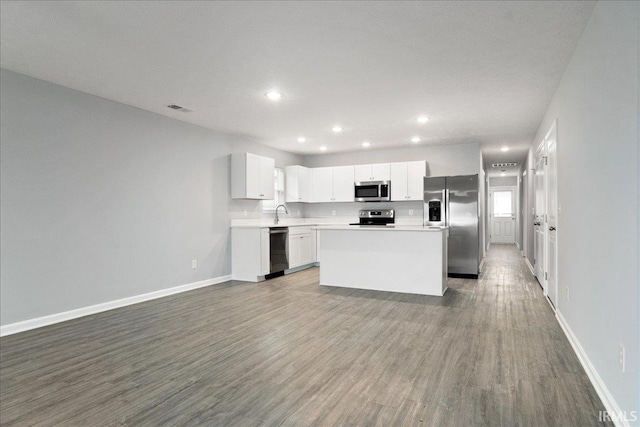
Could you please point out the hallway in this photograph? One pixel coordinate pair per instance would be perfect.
(289, 352)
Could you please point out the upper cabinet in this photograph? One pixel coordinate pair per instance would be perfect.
(332, 184)
(376, 172)
(298, 184)
(407, 180)
(252, 176)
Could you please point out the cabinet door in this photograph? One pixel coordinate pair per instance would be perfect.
(304, 184)
(267, 170)
(253, 169)
(294, 251)
(292, 189)
(415, 180)
(265, 263)
(305, 249)
(314, 245)
(321, 185)
(399, 185)
(362, 173)
(343, 190)
(381, 172)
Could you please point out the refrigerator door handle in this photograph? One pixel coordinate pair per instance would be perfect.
(446, 207)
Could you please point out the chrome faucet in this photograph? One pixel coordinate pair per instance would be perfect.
(277, 220)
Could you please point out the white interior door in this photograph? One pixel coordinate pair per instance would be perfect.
(539, 264)
(552, 216)
(503, 215)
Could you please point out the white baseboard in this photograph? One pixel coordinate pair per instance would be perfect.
(38, 322)
(608, 401)
(526, 260)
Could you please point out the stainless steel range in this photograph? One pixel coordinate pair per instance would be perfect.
(381, 217)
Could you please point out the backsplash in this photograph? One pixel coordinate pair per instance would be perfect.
(350, 210)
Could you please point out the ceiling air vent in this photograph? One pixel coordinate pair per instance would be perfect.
(179, 108)
(504, 165)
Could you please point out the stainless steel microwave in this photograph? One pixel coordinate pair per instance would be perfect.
(373, 191)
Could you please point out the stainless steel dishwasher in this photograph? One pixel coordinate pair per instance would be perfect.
(278, 250)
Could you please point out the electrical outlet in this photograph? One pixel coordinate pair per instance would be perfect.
(194, 263)
(333, 213)
(244, 212)
(567, 294)
(410, 212)
(621, 357)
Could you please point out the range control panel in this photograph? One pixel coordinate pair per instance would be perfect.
(384, 213)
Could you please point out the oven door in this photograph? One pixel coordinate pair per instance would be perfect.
(367, 192)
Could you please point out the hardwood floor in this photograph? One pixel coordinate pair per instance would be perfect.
(290, 352)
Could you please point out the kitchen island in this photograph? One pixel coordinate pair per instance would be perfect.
(406, 259)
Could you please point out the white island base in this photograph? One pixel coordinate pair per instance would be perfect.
(395, 259)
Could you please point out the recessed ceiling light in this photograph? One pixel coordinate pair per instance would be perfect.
(337, 129)
(423, 119)
(505, 148)
(273, 95)
(415, 139)
(302, 139)
(323, 148)
(366, 144)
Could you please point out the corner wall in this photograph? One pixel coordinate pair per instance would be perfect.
(596, 104)
(101, 201)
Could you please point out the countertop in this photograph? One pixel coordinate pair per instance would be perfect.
(319, 222)
(272, 224)
(380, 228)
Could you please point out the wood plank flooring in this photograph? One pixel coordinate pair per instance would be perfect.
(290, 352)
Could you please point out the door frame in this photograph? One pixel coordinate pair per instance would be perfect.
(514, 203)
(540, 262)
(549, 195)
(551, 217)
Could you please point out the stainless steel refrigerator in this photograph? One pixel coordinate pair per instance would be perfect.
(453, 201)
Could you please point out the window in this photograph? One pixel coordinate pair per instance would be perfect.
(502, 204)
(278, 184)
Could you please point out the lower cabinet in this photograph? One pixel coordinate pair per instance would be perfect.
(301, 247)
(265, 254)
(250, 253)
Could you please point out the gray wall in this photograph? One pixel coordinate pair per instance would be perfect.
(101, 201)
(506, 181)
(596, 104)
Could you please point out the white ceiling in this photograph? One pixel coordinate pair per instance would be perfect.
(482, 71)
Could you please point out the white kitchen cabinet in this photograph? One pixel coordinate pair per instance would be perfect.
(298, 184)
(343, 189)
(416, 172)
(407, 180)
(321, 184)
(265, 254)
(250, 253)
(300, 246)
(314, 245)
(252, 176)
(332, 184)
(375, 172)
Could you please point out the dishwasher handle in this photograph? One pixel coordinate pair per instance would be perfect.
(278, 230)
